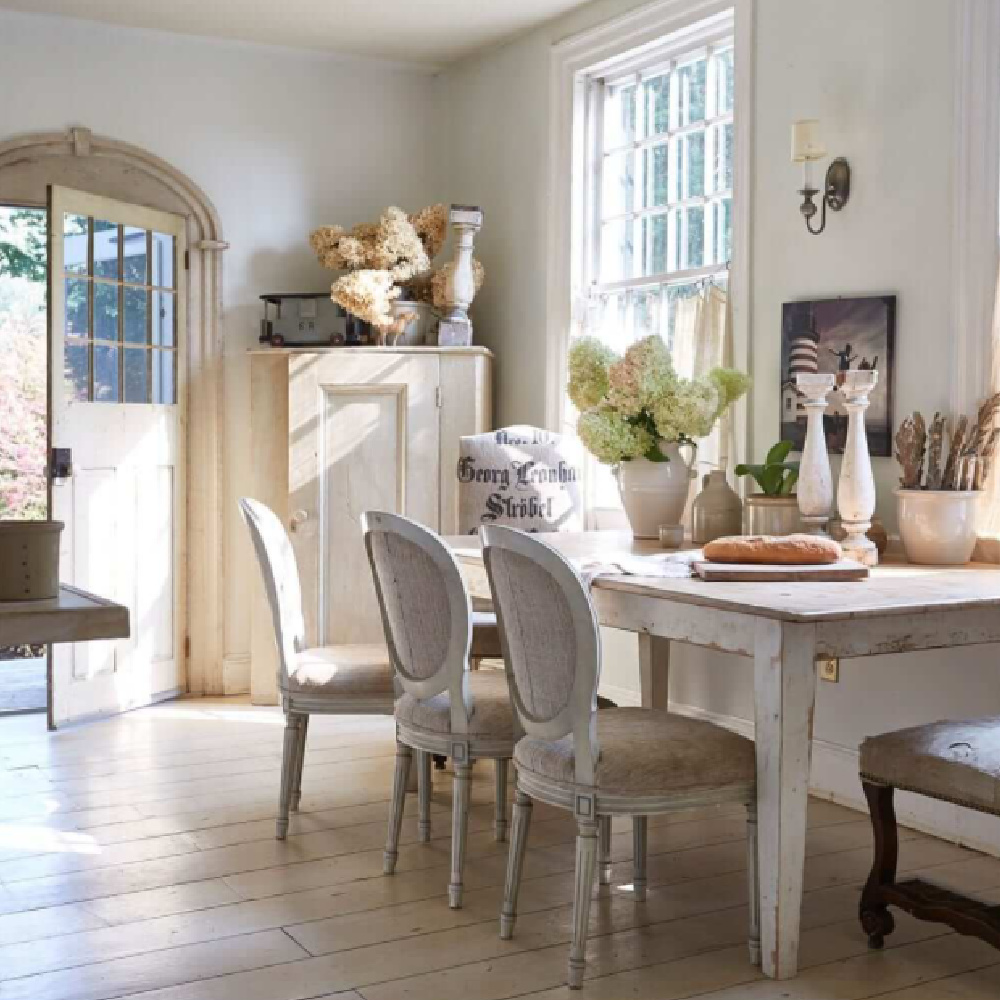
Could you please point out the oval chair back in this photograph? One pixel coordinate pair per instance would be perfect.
(425, 610)
(280, 572)
(550, 640)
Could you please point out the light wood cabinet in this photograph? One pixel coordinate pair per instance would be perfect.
(337, 432)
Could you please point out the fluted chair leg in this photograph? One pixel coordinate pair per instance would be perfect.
(639, 858)
(401, 779)
(500, 806)
(300, 759)
(604, 823)
(753, 884)
(515, 863)
(459, 832)
(289, 755)
(423, 797)
(586, 861)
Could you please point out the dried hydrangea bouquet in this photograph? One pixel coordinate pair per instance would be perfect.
(389, 265)
(636, 413)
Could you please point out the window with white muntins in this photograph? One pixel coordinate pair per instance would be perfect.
(658, 180)
(653, 171)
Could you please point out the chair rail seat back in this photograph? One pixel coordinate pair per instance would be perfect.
(280, 573)
(425, 609)
(550, 640)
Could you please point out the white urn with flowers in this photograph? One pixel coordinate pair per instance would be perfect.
(643, 419)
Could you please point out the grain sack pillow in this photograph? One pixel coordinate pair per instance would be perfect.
(523, 477)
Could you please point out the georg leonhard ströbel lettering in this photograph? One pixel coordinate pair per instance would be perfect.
(517, 475)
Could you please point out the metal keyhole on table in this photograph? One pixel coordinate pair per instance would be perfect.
(298, 519)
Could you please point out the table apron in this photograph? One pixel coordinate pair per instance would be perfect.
(712, 628)
(734, 632)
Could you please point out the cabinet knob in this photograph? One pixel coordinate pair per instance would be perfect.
(299, 517)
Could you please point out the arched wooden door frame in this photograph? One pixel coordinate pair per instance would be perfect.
(77, 158)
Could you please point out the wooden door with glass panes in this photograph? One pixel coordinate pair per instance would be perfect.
(116, 437)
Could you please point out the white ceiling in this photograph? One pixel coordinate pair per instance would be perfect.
(432, 32)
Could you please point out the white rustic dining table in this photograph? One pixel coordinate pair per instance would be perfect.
(785, 628)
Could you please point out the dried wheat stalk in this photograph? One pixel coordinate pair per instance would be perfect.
(911, 443)
(951, 465)
(936, 443)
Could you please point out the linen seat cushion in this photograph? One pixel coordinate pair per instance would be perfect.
(648, 751)
(342, 671)
(492, 714)
(955, 761)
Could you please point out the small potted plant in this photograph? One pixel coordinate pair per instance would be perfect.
(775, 510)
(636, 413)
(938, 503)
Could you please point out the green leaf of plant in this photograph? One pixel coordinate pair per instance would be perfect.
(770, 480)
(791, 478)
(655, 455)
(778, 453)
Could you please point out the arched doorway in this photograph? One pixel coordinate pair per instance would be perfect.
(102, 166)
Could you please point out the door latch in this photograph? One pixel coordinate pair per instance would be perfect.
(61, 464)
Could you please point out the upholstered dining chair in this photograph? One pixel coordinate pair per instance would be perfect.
(445, 708)
(328, 680)
(618, 762)
(956, 762)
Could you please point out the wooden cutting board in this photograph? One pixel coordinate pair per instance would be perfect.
(846, 569)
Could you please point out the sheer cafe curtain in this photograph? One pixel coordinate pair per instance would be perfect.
(990, 508)
(703, 340)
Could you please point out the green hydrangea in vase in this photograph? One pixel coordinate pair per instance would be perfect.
(637, 415)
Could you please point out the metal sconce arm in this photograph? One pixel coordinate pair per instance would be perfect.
(836, 191)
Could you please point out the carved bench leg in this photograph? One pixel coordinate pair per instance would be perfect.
(876, 920)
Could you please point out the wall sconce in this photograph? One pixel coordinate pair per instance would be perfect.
(807, 147)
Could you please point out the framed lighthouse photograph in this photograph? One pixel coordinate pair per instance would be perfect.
(835, 335)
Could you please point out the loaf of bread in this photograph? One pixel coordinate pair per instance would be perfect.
(783, 550)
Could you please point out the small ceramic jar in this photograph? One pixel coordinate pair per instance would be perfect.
(717, 510)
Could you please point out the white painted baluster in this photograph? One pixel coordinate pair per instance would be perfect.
(856, 489)
(815, 485)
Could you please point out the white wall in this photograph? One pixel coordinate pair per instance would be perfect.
(281, 141)
(880, 77)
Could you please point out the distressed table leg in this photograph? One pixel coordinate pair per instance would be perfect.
(784, 690)
(654, 670)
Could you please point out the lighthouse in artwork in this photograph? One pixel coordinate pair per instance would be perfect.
(803, 359)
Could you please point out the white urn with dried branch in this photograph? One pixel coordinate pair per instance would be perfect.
(938, 497)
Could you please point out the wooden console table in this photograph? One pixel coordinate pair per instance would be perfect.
(73, 616)
(784, 627)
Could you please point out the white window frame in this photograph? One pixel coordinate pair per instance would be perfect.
(615, 48)
(664, 59)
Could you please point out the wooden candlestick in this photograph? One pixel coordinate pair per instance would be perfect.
(856, 488)
(815, 485)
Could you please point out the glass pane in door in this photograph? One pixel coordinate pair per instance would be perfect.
(135, 375)
(134, 260)
(105, 311)
(75, 234)
(105, 374)
(135, 315)
(106, 249)
(163, 260)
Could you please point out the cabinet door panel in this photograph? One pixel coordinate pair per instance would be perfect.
(364, 435)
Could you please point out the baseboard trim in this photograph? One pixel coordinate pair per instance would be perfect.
(621, 696)
(835, 778)
(236, 674)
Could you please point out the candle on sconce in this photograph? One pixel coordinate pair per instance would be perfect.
(806, 143)
(807, 147)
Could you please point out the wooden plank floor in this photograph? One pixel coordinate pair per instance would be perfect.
(22, 685)
(137, 859)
